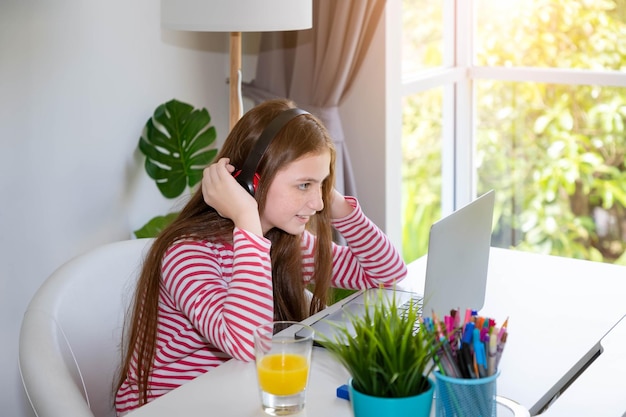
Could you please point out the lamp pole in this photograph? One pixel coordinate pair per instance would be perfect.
(235, 78)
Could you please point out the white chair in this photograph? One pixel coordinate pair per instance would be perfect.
(70, 335)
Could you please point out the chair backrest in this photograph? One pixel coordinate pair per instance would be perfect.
(69, 349)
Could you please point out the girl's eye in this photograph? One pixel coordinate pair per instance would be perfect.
(304, 186)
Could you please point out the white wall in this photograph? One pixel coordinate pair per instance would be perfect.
(78, 80)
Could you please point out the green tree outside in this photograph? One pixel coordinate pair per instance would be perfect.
(555, 153)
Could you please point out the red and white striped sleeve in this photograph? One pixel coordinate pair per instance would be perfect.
(370, 259)
(224, 291)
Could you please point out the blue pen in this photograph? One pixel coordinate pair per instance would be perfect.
(479, 354)
(467, 368)
(468, 333)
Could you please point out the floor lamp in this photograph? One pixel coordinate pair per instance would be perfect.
(236, 16)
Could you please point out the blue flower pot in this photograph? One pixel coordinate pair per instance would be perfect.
(368, 406)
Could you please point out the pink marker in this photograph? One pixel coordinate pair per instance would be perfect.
(468, 316)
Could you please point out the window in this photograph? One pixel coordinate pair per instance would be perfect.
(527, 97)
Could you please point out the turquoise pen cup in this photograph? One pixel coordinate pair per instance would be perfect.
(465, 397)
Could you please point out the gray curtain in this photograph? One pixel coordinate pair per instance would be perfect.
(316, 67)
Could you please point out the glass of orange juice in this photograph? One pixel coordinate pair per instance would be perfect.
(283, 358)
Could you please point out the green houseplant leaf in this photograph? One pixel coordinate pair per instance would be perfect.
(155, 225)
(385, 355)
(176, 143)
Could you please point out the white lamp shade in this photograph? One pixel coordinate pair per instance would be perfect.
(236, 15)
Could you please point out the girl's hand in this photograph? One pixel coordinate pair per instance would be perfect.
(222, 192)
(339, 207)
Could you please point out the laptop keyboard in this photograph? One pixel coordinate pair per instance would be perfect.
(417, 301)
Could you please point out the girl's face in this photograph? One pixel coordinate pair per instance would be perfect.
(296, 194)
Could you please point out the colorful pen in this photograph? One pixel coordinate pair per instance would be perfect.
(493, 347)
(469, 350)
(503, 329)
(466, 350)
(479, 354)
(468, 316)
(500, 348)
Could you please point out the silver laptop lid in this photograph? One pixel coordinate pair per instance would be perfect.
(458, 258)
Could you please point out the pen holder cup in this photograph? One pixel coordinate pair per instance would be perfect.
(464, 397)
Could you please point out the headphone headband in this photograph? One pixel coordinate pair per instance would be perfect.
(246, 176)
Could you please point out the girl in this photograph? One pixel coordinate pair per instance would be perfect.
(238, 256)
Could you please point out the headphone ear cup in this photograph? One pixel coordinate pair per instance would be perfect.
(245, 184)
(255, 181)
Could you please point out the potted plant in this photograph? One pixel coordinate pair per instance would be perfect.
(176, 141)
(389, 358)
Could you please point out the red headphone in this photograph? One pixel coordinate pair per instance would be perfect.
(247, 175)
(255, 181)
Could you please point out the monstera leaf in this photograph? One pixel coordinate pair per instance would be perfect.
(176, 142)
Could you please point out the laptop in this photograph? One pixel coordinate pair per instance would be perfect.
(456, 269)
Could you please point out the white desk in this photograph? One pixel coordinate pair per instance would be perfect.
(559, 311)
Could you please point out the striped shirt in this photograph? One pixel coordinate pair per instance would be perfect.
(214, 294)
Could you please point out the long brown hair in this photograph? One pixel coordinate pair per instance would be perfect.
(301, 136)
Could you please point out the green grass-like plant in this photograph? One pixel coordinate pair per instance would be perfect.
(384, 354)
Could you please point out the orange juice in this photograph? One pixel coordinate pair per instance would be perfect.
(283, 374)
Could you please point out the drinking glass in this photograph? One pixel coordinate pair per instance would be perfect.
(283, 361)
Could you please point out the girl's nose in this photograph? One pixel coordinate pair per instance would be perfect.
(316, 202)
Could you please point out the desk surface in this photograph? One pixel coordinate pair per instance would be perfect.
(559, 309)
